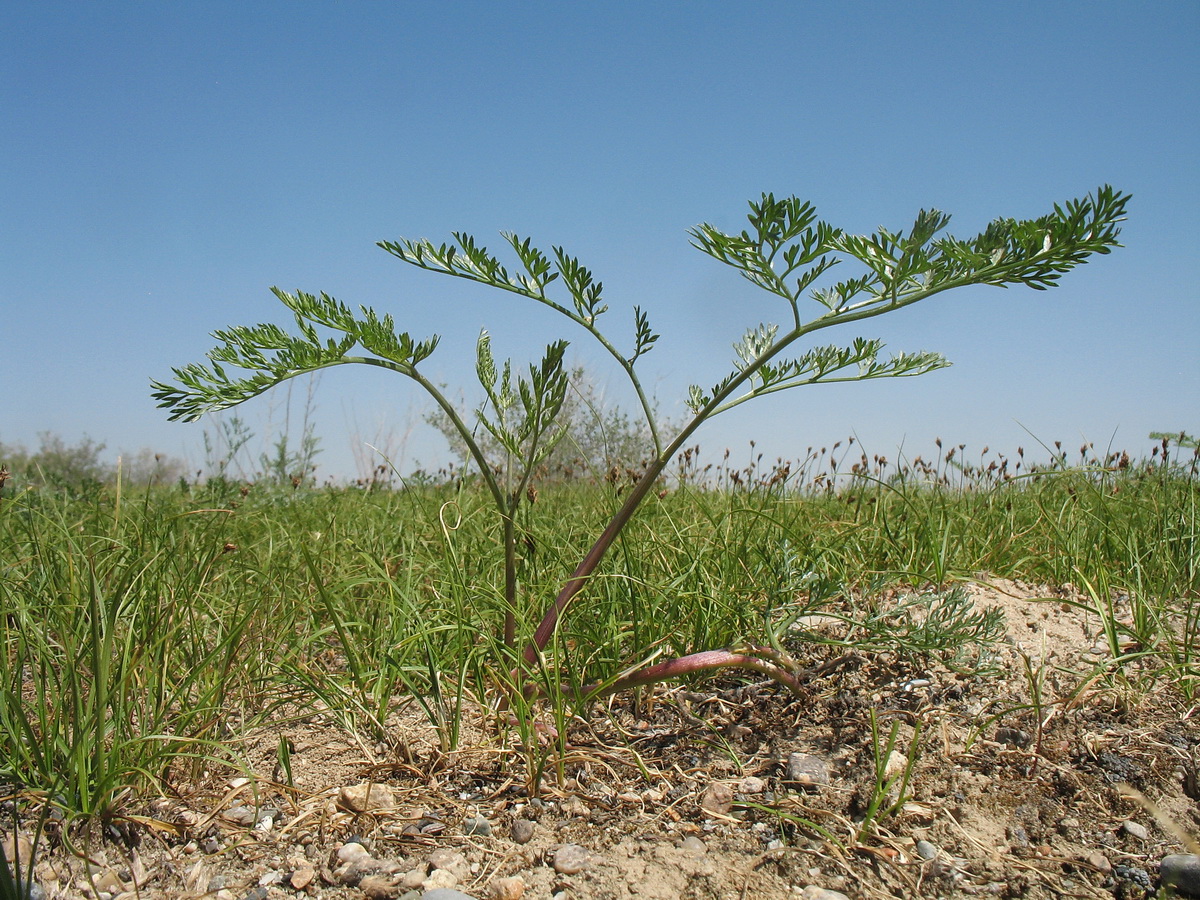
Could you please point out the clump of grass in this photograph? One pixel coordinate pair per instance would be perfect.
(142, 642)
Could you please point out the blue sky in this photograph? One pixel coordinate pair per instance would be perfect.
(164, 164)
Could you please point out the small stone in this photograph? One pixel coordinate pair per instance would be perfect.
(477, 825)
(508, 888)
(440, 878)
(693, 845)
(1099, 862)
(271, 878)
(574, 808)
(107, 881)
(926, 850)
(808, 771)
(352, 873)
(21, 851)
(752, 784)
(414, 878)
(1018, 838)
(717, 799)
(522, 831)
(896, 763)
(445, 894)
(258, 893)
(302, 877)
(352, 852)
(1013, 737)
(570, 859)
(1068, 826)
(379, 887)
(1182, 872)
(812, 892)
(451, 861)
(239, 815)
(211, 845)
(365, 797)
(1135, 830)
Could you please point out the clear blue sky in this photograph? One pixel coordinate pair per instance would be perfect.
(164, 164)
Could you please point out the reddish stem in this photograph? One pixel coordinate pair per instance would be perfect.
(574, 584)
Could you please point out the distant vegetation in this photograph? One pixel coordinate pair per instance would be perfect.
(82, 467)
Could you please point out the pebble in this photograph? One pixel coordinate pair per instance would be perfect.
(439, 878)
(445, 894)
(926, 850)
(522, 831)
(809, 771)
(812, 892)
(1067, 826)
(1013, 737)
(451, 861)
(351, 852)
(1182, 872)
(380, 887)
(752, 784)
(693, 845)
(508, 888)
(414, 878)
(364, 797)
(477, 825)
(1099, 862)
(895, 765)
(717, 799)
(570, 859)
(1135, 830)
(239, 815)
(353, 873)
(21, 851)
(302, 877)
(107, 881)
(1018, 839)
(573, 807)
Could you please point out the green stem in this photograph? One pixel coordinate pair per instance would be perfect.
(716, 404)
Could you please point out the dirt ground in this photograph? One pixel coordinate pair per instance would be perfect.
(1043, 778)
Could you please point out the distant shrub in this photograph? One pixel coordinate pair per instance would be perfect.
(81, 468)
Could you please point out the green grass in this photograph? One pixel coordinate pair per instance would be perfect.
(138, 637)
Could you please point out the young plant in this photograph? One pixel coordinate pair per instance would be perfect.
(892, 772)
(785, 250)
